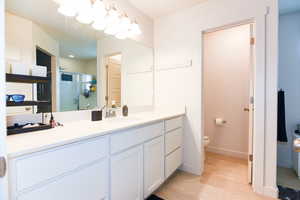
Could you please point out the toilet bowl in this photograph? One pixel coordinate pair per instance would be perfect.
(206, 141)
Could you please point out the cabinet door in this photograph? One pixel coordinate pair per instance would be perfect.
(89, 183)
(153, 165)
(127, 175)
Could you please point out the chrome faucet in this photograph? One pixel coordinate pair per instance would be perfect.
(110, 112)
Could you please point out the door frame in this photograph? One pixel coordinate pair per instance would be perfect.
(259, 82)
(251, 66)
(3, 181)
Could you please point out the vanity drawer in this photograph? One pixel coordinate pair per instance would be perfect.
(42, 166)
(89, 183)
(173, 140)
(126, 139)
(173, 162)
(174, 123)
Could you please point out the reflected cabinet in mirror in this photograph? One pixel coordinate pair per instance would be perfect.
(55, 63)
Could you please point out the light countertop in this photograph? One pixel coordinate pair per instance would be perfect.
(18, 145)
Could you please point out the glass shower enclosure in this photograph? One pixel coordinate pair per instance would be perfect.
(77, 91)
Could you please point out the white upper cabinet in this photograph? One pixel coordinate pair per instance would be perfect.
(153, 165)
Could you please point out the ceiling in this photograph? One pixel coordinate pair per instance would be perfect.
(287, 6)
(158, 8)
(74, 38)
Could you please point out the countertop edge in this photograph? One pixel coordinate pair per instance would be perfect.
(91, 135)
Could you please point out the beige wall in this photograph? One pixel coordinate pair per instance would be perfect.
(78, 65)
(19, 41)
(18, 49)
(226, 76)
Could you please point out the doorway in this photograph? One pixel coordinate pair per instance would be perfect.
(228, 101)
(113, 80)
(44, 90)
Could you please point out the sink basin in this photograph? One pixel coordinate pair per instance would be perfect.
(121, 119)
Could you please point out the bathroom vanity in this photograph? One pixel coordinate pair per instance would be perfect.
(120, 158)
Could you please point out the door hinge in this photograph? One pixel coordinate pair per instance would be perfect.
(251, 100)
(252, 41)
(251, 158)
(3, 167)
(106, 98)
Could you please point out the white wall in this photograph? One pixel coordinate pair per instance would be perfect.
(18, 44)
(226, 80)
(178, 38)
(289, 70)
(3, 181)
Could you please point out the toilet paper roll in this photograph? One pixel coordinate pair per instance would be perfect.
(220, 121)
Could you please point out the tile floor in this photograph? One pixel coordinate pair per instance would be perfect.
(224, 178)
(287, 177)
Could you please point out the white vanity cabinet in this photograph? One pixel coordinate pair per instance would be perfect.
(88, 183)
(153, 165)
(173, 145)
(123, 165)
(127, 175)
(74, 171)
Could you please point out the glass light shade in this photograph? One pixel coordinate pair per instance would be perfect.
(113, 21)
(112, 30)
(67, 10)
(113, 16)
(99, 24)
(98, 9)
(134, 29)
(84, 18)
(125, 24)
(85, 14)
(121, 35)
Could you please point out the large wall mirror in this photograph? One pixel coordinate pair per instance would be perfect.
(55, 64)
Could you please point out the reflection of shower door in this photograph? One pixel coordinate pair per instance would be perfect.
(69, 93)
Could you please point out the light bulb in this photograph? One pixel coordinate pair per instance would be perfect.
(67, 8)
(124, 25)
(113, 21)
(112, 17)
(135, 29)
(99, 24)
(121, 36)
(85, 15)
(111, 30)
(99, 10)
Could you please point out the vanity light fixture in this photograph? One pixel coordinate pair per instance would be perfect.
(95, 12)
(71, 56)
(67, 8)
(85, 14)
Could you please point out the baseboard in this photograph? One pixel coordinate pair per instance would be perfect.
(227, 152)
(190, 169)
(271, 192)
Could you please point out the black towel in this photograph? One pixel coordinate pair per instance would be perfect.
(281, 126)
(154, 197)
